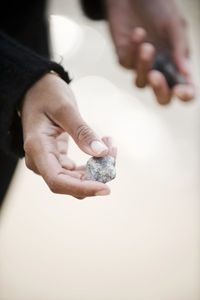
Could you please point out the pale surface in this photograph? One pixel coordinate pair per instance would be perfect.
(141, 242)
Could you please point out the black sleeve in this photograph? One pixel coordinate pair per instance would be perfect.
(19, 69)
(94, 9)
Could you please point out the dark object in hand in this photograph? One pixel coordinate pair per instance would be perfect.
(163, 63)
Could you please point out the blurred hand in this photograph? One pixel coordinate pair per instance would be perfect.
(139, 28)
(49, 114)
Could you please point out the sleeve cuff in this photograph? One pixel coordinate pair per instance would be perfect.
(20, 69)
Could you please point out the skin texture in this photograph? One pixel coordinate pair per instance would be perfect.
(141, 27)
(49, 115)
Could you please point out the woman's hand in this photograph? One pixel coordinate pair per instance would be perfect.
(49, 114)
(141, 27)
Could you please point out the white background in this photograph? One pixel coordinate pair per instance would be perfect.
(141, 242)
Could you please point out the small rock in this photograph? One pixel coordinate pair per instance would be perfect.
(164, 64)
(101, 168)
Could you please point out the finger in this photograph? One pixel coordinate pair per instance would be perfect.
(146, 53)
(66, 162)
(183, 65)
(81, 168)
(62, 142)
(113, 152)
(180, 47)
(138, 35)
(56, 178)
(159, 86)
(109, 143)
(74, 173)
(184, 92)
(79, 188)
(69, 118)
(180, 54)
(127, 52)
(65, 184)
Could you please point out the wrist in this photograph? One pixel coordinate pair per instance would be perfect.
(20, 103)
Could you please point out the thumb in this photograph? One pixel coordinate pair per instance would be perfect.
(72, 122)
(87, 140)
(182, 62)
(180, 48)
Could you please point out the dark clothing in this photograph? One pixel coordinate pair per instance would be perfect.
(22, 23)
(94, 9)
(8, 164)
(21, 67)
(25, 21)
(24, 58)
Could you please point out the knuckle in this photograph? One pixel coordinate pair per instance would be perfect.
(125, 63)
(146, 52)
(125, 57)
(84, 133)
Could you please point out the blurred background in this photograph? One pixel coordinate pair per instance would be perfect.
(143, 241)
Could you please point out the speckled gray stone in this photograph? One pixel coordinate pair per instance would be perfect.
(101, 168)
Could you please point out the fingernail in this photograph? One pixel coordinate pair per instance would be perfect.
(98, 147)
(102, 193)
